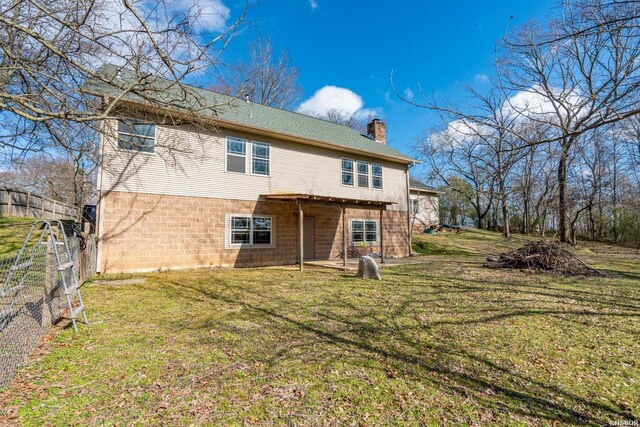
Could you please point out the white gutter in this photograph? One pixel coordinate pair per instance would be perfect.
(100, 207)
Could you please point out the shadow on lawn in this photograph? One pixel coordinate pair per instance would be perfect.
(453, 284)
(619, 273)
(368, 332)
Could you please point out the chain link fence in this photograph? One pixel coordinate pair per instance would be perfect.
(32, 298)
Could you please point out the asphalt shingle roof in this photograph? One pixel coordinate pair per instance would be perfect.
(230, 109)
(417, 185)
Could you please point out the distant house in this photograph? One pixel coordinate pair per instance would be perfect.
(267, 186)
(424, 202)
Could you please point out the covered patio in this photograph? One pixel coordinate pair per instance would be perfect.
(307, 200)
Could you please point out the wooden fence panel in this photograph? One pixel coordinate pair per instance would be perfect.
(28, 205)
(87, 258)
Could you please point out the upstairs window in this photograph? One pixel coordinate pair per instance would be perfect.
(347, 172)
(136, 135)
(363, 174)
(260, 158)
(415, 206)
(363, 231)
(376, 176)
(236, 155)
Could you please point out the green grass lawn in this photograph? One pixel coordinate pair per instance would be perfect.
(13, 231)
(441, 342)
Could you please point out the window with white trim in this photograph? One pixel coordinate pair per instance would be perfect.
(250, 230)
(415, 206)
(376, 176)
(261, 230)
(236, 155)
(363, 174)
(347, 172)
(136, 135)
(260, 158)
(364, 231)
(240, 230)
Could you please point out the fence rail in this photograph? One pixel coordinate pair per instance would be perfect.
(24, 204)
(31, 303)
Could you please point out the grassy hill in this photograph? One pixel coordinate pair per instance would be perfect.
(12, 234)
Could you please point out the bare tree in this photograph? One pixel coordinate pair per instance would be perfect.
(57, 178)
(581, 72)
(345, 119)
(265, 79)
(48, 50)
(489, 125)
(610, 16)
(458, 158)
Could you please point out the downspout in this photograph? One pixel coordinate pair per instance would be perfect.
(409, 165)
(100, 207)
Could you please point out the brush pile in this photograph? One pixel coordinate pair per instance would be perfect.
(542, 256)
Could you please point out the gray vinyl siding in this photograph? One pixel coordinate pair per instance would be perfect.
(190, 163)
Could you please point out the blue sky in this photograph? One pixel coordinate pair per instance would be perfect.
(442, 45)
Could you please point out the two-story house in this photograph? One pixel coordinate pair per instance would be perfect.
(244, 185)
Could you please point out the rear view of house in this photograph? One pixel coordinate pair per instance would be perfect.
(248, 185)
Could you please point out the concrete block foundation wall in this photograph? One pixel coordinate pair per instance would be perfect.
(145, 232)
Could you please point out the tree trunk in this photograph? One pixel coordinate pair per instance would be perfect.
(592, 223)
(615, 192)
(563, 204)
(527, 217)
(506, 231)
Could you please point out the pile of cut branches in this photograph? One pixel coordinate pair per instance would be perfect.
(542, 256)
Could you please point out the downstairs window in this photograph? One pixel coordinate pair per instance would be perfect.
(364, 231)
(250, 230)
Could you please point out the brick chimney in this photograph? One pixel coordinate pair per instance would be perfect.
(377, 131)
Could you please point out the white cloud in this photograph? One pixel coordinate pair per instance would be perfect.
(207, 15)
(119, 29)
(332, 98)
(481, 78)
(388, 98)
(528, 103)
(313, 4)
(531, 104)
(534, 103)
(202, 15)
(408, 93)
(338, 100)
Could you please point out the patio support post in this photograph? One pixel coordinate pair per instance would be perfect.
(344, 236)
(381, 237)
(301, 235)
